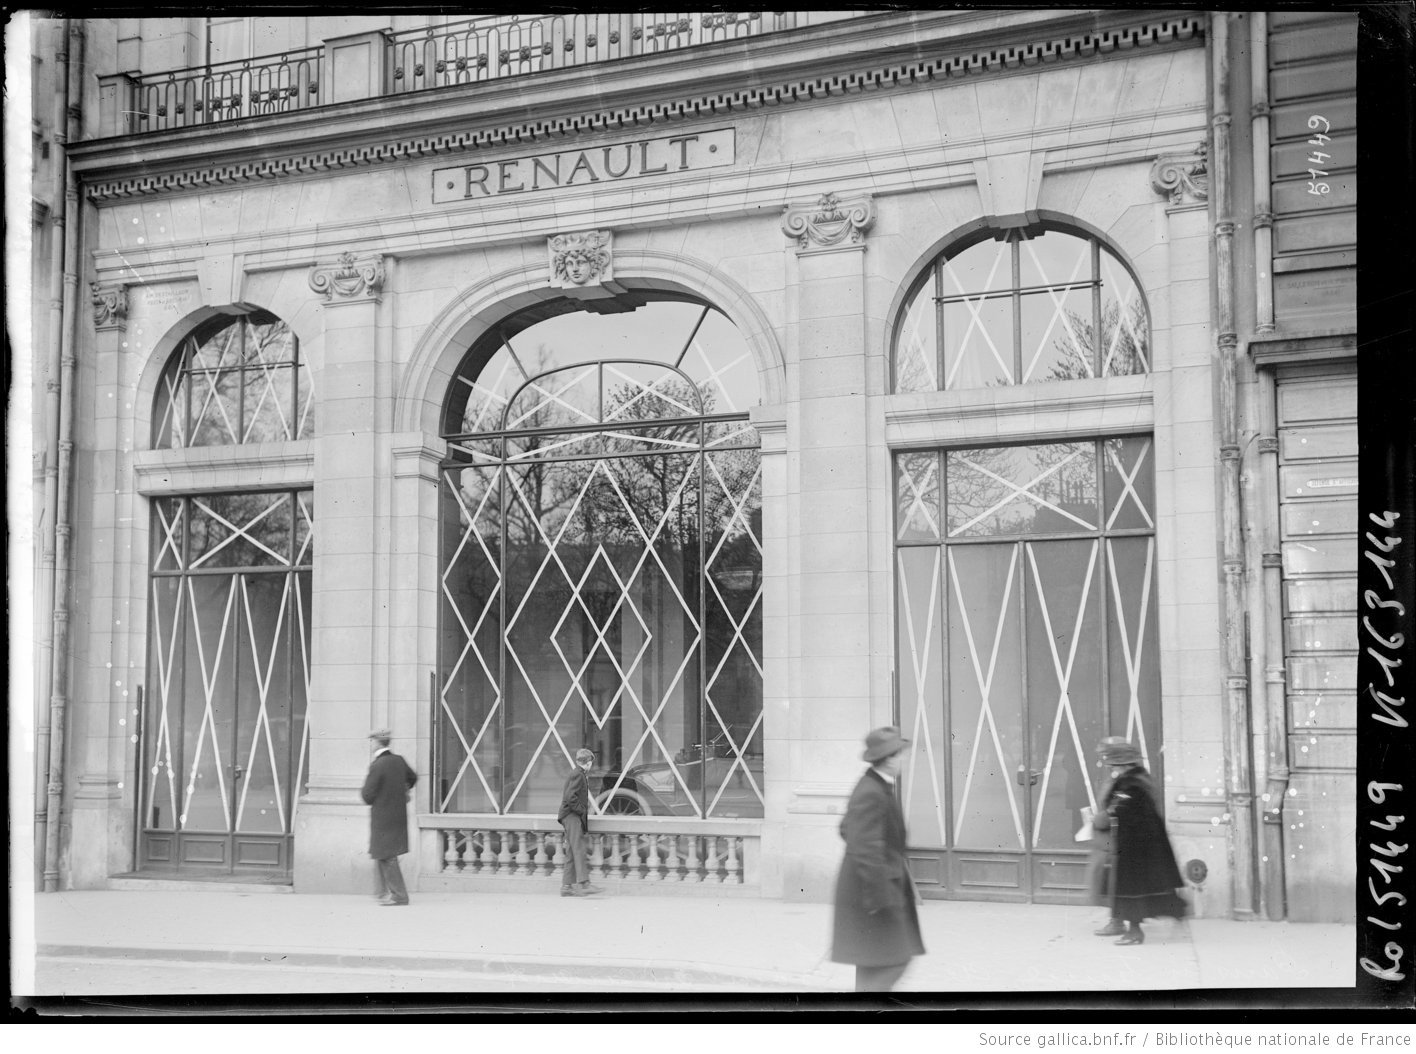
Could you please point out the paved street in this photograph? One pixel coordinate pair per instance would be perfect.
(180, 942)
(75, 976)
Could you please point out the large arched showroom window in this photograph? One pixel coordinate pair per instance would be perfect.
(601, 565)
(1019, 307)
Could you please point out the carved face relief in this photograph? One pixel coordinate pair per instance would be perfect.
(579, 268)
(581, 259)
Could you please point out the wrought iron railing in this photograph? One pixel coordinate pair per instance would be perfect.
(654, 852)
(473, 51)
(226, 91)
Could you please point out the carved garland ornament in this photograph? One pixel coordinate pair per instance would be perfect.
(349, 279)
(1179, 176)
(110, 306)
(829, 223)
(581, 258)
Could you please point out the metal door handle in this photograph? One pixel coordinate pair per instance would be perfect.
(1031, 777)
(238, 771)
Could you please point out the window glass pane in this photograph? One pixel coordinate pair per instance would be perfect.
(1134, 654)
(239, 530)
(210, 705)
(916, 354)
(468, 708)
(217, 350)
(165, 700)
(268, 404)
(1125, 325)
(1054, 258)
(170, 409)
(985, 682)
(1128, 466)
(167, 533)
(917, 512)
(563, 399)
(1063, 604)
(304, 404)
(722, 364)
(978, 343)
(216, 407)
(732, 758)
(982, 268)
(1022, 490)
(1057, 335)
(635, 392)
(262, 743)
(269, 343)
(919, 646)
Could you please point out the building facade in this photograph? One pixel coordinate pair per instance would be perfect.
(704, 390)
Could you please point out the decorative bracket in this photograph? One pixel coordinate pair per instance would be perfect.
(830, 223)
(110, 306)
(1182, 176)
(349, 280)
(582, 264)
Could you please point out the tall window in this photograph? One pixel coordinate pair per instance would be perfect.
(602, 566)
(235, 380)
(1020, 307)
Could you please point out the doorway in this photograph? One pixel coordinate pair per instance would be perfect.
(225, 734)
(1025, 634)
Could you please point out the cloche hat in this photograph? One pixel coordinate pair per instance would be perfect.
(1117, 750)
(882, 742)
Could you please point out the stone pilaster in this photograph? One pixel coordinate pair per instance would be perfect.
(331, 835)
(830, 706)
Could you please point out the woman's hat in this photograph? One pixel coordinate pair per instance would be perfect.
(1117, 750)
(584, 755)
(883, 742)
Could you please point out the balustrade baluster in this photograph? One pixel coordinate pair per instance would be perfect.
(522, 860)
(558, 860)
(489, 855)
(711, 868)
(672, 861)
(597, 854)
(734, 865)
(653, 868)
(449, 850)
(504, 852)
(693, 869)
(541, 862)
(612, 865)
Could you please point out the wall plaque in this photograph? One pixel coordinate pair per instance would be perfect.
(582, 168)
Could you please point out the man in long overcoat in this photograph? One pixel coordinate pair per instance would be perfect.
(876, 926)
(387, 789)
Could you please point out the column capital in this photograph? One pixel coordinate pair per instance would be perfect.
(1182, 176)
(829, 223)
(110, 306)
(349, 280)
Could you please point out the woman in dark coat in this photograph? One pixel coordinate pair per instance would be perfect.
(876, 926)
(1144, 876)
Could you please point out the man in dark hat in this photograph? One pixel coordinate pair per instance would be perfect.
(876, 926)
(573, 815)
(387, 789)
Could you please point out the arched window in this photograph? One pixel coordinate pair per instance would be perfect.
(234, 380)
(601, 565)
(1019, 307)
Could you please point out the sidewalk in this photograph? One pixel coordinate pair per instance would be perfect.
(609, 943)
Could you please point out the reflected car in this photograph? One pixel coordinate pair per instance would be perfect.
(651, 789)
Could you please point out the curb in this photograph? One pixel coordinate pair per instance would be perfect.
(666, 974)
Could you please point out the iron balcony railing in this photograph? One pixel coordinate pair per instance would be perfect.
(474, 51)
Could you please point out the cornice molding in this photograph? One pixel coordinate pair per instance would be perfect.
(1061, 40)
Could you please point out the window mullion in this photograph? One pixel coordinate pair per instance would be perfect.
(1016, 256)
(1098, 331)
(941, 357)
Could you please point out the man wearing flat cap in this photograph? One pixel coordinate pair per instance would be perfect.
(573, 815)
(387, 789)
(876, 926)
